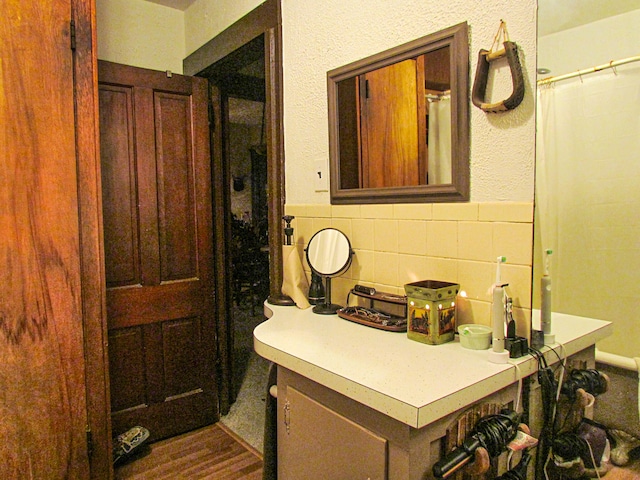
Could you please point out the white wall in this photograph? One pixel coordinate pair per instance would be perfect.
(593, 44)
(207, 18)
(144, 34)
(320, 36)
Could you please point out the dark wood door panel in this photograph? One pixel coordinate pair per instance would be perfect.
(126, 365)
(119, 187)
(178, 371)
(175, 186)
(170, 418)
(127, 307)
(181, 338)
(160, 379)
(161, 304)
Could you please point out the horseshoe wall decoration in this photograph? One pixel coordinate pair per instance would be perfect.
(485, 57)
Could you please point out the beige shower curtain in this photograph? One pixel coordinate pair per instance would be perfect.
(440, 140)
(588, 198)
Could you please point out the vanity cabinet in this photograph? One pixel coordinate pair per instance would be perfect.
(358, 402)
(323, 434)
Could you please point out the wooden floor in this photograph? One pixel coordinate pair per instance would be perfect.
(212, 452)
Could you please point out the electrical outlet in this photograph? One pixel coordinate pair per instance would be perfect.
(320, 176)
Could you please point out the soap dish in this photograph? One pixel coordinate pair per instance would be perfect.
(475, 337)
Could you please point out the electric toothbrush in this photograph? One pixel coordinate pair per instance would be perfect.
(498, 354)
(545, 301)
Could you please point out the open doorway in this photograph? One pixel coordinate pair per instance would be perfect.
(237, 84)
(243, 65)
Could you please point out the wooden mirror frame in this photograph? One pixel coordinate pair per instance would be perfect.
(457, 39)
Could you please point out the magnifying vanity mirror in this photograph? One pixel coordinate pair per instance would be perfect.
(398, 123)
(328, 254)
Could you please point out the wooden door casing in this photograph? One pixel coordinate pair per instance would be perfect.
(43, 414)
(156, 182)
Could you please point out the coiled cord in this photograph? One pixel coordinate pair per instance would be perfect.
(569, 446)
(591, 381)
(494, 432)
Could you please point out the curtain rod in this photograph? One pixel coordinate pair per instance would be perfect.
(611, 64)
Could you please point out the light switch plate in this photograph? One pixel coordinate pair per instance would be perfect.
(321, 176)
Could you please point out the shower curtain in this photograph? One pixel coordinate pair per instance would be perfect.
(588, 198)
(440, 140)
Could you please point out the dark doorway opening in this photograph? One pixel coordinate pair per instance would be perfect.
(238, 83)
(244, 68)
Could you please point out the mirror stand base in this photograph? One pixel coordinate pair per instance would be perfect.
(326, 309)
(281, 300)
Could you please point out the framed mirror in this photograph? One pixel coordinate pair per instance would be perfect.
(399, 123)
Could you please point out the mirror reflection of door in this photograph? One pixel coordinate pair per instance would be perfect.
(395, 124)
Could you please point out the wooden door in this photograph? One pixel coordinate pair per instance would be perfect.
(42, 385)
(156, 182)
(390, 126)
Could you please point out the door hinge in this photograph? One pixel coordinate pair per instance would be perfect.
(89, 442)
(72, 34)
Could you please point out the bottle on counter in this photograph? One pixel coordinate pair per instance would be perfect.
(316, 290)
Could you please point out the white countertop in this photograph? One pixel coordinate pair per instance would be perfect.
(409, 381)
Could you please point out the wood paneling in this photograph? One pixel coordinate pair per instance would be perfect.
(42, 372)
(175, 186)
(120, 220)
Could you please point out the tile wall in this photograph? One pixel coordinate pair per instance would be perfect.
(402, 243)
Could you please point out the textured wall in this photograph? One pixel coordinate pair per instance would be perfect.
(320, 36)
(205, 19)
(144, 34)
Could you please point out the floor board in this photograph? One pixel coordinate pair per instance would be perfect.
(212, 452)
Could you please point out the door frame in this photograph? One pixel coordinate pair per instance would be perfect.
(93, 294)
(266, 20)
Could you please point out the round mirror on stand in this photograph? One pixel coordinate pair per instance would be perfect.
(328, 254)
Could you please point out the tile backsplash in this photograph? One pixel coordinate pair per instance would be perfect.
(454, 242)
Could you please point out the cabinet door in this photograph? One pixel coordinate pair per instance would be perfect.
(315, 442)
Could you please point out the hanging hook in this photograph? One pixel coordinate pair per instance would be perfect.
(613, 67)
